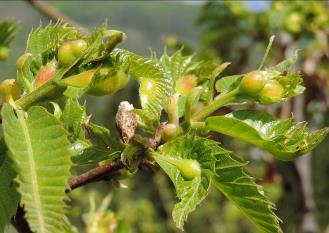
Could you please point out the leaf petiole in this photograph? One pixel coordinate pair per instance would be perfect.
(218, 102)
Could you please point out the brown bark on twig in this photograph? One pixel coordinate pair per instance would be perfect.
(53, 14)
(95, 174)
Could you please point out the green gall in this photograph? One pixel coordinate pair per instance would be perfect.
(271, 93)
(188, 168)
(110, 84)
(252, 83)
(70, 51)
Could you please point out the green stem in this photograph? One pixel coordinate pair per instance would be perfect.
(173, 109)
(187, 115)
(200, 125)
(48, 90)
(218, 102)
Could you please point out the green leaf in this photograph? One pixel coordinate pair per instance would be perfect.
(68, 227)
(9, 197)
(190, 193)
(8, 30)
(217, 71)
(27, 74)
(45, 39)
(155, 85)
(39, 147)
(228, 83)
(42, 47)
(285, 139)
(101, 43)
(74, 92)
(74, 115)
(177, 65)
(98, 146)
(132, 155)
(285, 64)
(209, 70)
(291, 82)
(101, 137)
(240, 188)
(146, 121)
(85, 154)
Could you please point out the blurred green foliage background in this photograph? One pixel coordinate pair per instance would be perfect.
(232, 31)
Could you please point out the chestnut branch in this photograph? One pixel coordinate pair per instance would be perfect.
(96, 174)
(53, 14)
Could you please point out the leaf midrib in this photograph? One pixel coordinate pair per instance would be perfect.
(34, 178)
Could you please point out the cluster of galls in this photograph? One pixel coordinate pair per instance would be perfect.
(68, 53)
(256, 84)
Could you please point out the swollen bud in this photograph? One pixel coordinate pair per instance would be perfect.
(4, 53)
(9, 90)
(186, 84)
(188, 168)
(78, 47)
(252, 83)
(169, 132)
(271, 93)
(70, 51)
(45, 74)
